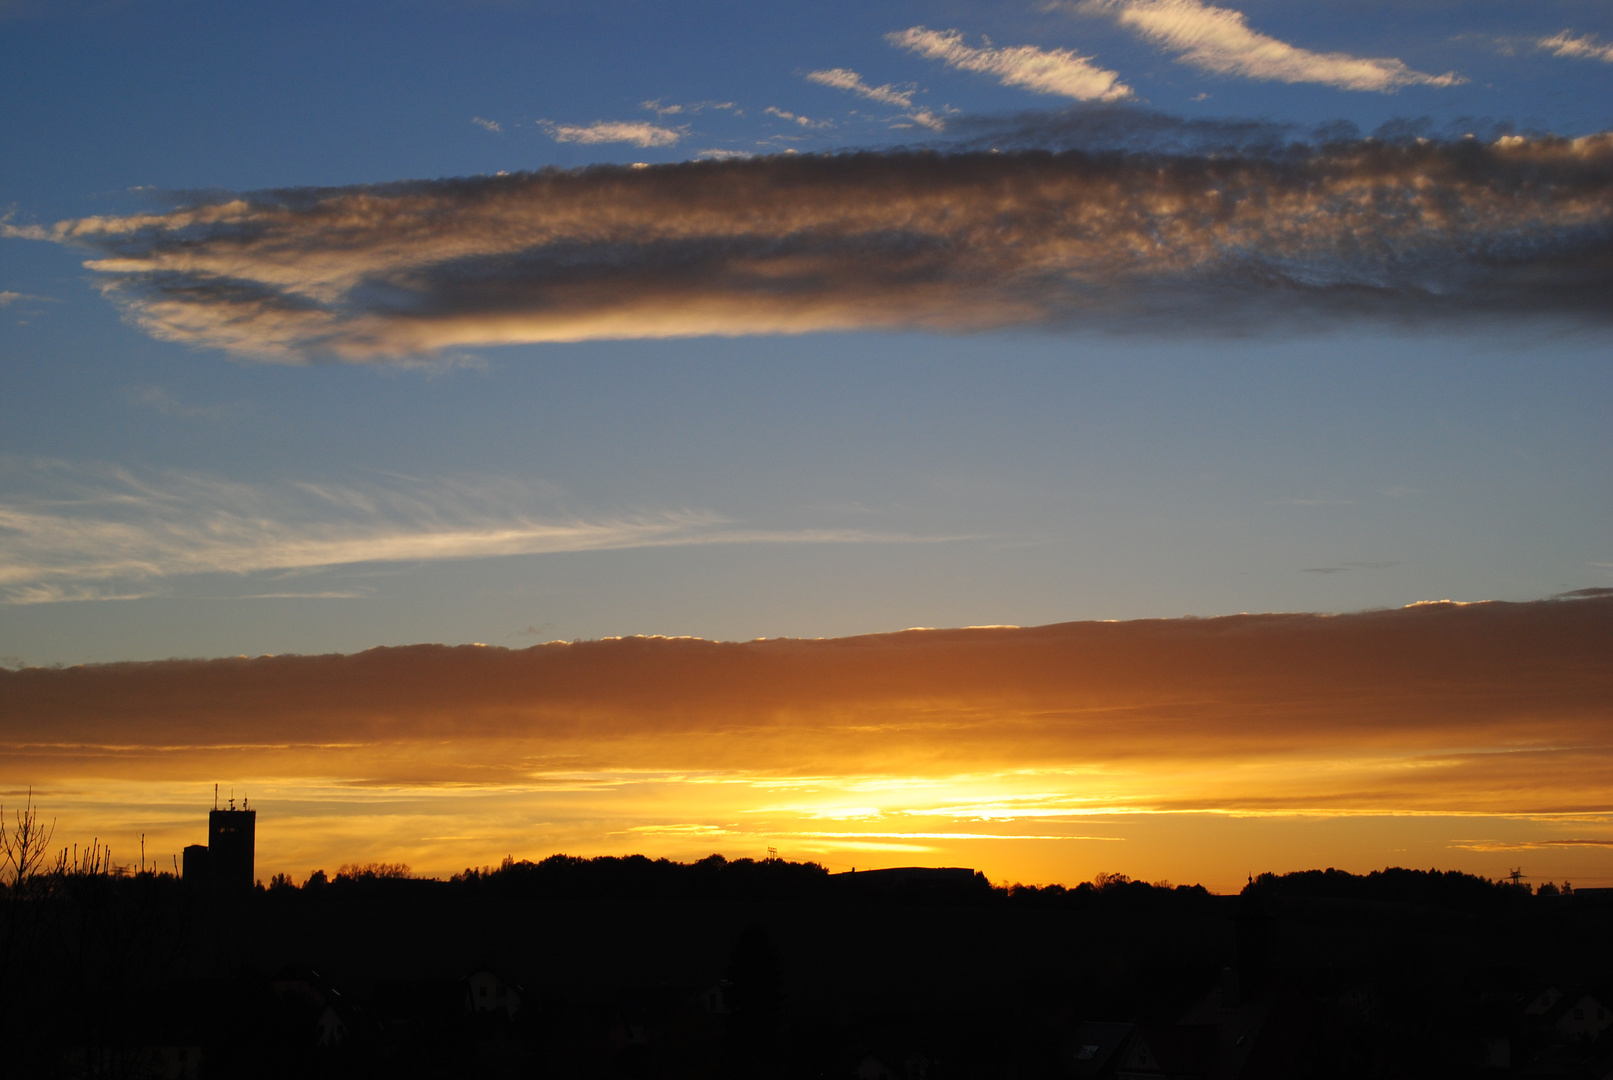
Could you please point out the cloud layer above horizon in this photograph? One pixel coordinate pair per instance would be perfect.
(1483, 711)
(1476, 705)
(1240, 238)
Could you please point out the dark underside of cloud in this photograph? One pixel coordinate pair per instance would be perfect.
(1426, 675)
(1158, 225)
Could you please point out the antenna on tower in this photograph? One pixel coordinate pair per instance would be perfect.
(215, 796)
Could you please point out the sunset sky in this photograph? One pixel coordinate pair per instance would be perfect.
(327, 328)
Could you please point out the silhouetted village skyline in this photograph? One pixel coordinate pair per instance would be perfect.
(638, 967)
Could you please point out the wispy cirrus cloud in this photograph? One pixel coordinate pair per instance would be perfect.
(8, 296)
(1260, 233)
(1057, 72)
(1348, 567)
(1530, 844)
(1578, 47)
(887, 94)
(795, 118)
(661, 108)
(72, 533)
(163, 401)
(28, 594)
(639, 133)
(846, 79)
(1220, 40)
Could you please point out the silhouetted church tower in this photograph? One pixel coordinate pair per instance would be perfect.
(229, 859)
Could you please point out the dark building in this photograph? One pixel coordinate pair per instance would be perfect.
(196, 867)
(232, 847)
(228, 861)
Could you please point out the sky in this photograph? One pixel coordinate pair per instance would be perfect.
(324, 329)
(1196, 750)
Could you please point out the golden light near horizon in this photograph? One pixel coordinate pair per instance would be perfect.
(1198, 750)
(1037, 837)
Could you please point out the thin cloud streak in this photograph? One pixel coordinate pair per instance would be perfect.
(1219, 40)
(27, 595)
(637, 132)
(93, 528)
(1281, 237)
(846, 79)
(1530, 845)
(942, 836)
(794, 118)
(163, 401)
(1056, 72)
(328, 594)
(1581, 47)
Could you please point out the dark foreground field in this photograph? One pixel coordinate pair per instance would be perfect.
(632, 968)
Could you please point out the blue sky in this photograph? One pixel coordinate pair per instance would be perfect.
(172, 496)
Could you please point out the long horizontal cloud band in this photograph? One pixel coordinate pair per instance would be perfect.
(86, 533)
(1493, 708)
(917, 240)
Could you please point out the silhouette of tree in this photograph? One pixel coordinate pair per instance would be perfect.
(23, 845)
(372, 871)
(117, 937)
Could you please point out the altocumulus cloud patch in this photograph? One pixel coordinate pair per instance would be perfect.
(1173, 242)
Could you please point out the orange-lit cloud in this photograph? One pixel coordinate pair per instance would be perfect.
(1057, 72)
(901, 97)
(1579, 47)
(1030, 748)
(1220, 40)
(636, 132)
(1185, 242)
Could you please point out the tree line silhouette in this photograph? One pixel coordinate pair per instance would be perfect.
(639, 967)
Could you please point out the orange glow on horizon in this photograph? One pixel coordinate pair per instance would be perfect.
(1465, 737)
